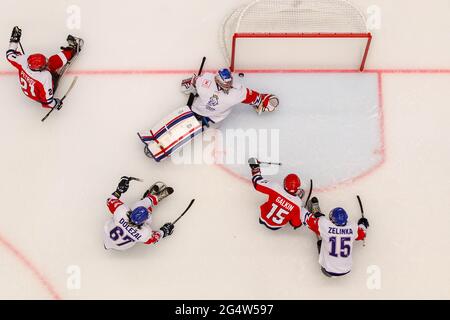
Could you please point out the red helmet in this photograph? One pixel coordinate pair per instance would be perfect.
(37, 62)
(292, 184)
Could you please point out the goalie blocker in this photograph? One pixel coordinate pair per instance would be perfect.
(172, 133)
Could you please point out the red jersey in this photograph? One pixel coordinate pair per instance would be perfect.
(36, 85)
(281, 207)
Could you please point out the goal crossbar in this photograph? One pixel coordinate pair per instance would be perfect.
(259, 35)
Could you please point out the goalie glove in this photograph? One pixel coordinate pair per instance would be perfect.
(261, 102)
(269, 103)
(188, 85)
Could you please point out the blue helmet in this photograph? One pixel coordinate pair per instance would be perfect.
(224, 79)
(338, 216)
(139, 215)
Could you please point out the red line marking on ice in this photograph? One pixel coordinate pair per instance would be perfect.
(31, 267)
(189, 71)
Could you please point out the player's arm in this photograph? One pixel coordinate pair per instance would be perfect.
(257, 179)
(363, 225)
(114, 202)
(49, 101)
(164, 231)
(12, 53)
(261, 102)
(295, 220)
(311, 220)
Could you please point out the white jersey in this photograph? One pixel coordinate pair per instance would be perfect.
(337, 242)
(214, 103)
(120, 234)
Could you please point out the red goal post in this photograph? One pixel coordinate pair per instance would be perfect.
(316, 34)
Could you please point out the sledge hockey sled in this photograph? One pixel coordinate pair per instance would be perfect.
(170, 134)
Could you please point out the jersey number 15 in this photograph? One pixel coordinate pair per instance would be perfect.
(345, 248)
(277, 213)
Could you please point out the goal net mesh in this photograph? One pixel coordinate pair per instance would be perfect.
(291, 16)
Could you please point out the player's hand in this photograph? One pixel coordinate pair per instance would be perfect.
(58, 104)
(188, 85)
(364, 222)
(167, 229)
(16, 34)
(123, 185)
(301, 193)
(253, 163)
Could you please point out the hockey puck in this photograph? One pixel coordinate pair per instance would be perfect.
(241, 74)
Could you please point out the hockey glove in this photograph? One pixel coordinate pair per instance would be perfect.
(188, 85)
(253, 163)
(167, 229)
(122, 187)
(364, 222)
(59, 104)
(16, 35)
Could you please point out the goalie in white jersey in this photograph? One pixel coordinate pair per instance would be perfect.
(217, 94)
(130, 225)
(336, 237)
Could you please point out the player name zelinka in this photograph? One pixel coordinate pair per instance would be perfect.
(130, 229)
(332, 230)
(287, 205)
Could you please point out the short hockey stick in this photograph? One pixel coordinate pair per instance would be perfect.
(62, 99)
(21, 48)
(192, 96)
(184, 212)
(310, 191)
(362, 214)
(270, 163)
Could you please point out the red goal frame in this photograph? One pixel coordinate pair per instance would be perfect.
(367, 36)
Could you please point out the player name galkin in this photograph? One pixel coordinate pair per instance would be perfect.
(285, 204)
(332, 230)
(135, 233)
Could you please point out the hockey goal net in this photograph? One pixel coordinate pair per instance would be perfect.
(296, 34)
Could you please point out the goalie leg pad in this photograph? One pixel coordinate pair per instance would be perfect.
(177, 129)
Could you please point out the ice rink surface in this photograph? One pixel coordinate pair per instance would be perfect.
(57, 175)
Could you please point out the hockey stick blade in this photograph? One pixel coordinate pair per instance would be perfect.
(360, 205)
(21, 48)
(270, 163)
(184, 212)
(362, 214)
(310, 191)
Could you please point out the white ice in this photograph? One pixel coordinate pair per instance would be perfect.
(57, 175)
